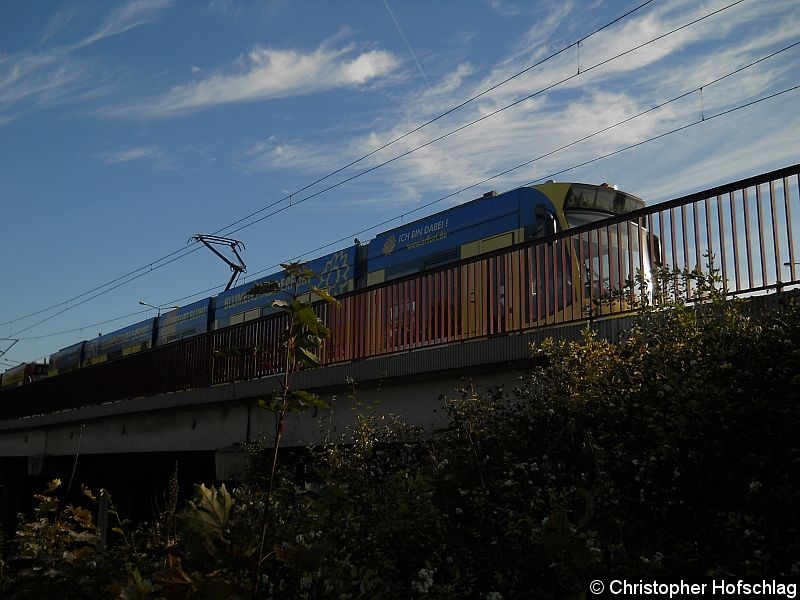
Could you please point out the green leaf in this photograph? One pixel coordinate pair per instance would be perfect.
(307, 399)
(307, 357)
(175, 581)
(273, 404)
(88, 493)
(307, 317)
(212, 508)
(325, 296)
(81, 515)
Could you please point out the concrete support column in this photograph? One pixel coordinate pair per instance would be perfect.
(35, 464)
(231, 463)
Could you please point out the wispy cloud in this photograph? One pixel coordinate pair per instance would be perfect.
(267, 73)
(127, 17)
(450, 82)
(273, 154)
(503, 7)
(37, 81)
(700, 160)
(224, 8)
(58, 23)
(147, 154)
(586, 104)
(54, 75)
(510, 8)
(550, 18)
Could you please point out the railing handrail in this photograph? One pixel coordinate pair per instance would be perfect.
(384, 310)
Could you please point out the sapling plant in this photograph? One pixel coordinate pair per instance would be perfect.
(302, 340)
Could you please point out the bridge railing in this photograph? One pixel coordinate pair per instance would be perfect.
(747, 230)
(750, 227)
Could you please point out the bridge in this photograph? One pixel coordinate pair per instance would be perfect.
(398, 347)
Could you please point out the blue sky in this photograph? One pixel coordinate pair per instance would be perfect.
(127, 127)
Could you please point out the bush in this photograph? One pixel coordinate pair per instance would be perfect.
(673, 452)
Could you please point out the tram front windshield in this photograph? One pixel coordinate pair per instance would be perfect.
(611, 257)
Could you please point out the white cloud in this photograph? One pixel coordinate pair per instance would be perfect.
(536, 42)
(55, 76)
(269, 73)
(148, 154)
(452, 81)
(58, 23)
(641, 27)
(274, 154)
(727, 149)
(589, 103)
(223, 8)
(127, 17)
(503, 7)
(538, 126)
(509, 8)
(39, 80)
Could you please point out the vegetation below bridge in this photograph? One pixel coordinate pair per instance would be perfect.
(675, 451)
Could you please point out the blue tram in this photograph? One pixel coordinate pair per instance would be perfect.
(488, 223)
(23, 374)
(185, 321)
(334, 273)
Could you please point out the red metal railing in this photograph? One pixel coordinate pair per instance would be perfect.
(750, 227)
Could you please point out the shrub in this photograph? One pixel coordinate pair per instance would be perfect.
(674, 452)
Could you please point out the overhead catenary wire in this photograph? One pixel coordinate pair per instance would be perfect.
(480, 119)
(429, 122)
(422, 207)
(544, 177)
(402, 155)
(702, 119)
(90, 298)
(155, 264)
(452, 132)
(670, 132)
(148, 268)
(505, 172)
